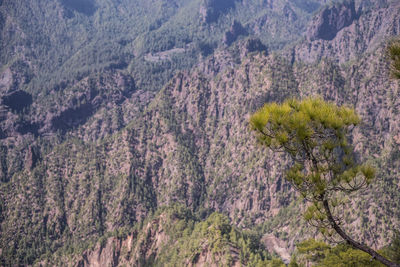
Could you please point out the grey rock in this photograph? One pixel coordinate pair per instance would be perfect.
(330, 20)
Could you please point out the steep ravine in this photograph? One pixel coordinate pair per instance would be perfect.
(190, 144)
(352, 34)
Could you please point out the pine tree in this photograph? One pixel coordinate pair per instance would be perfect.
(394, 54)
(314, 133)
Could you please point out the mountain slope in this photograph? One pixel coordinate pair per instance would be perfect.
(76, 181)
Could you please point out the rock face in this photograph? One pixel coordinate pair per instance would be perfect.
(108, 254)
(153, 243)
(363, 35)
(331, 20)
(81, 100)
(31, 159)
(6, 80)
(191, 146)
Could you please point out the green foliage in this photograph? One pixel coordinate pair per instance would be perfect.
(312, 249)
(313, 132)
(320, 254)
(342, 256)
(293, 261)
(189, 239)
(394, 54)
(393, 250)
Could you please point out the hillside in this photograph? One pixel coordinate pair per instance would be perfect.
(90, 161)
(123, 46)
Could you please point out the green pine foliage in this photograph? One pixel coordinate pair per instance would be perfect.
(394, 54)
(314, 133)
(214, 236)
(317, 253)
(393, 250)
(324, 168)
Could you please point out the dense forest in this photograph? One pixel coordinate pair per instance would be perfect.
(126, 137)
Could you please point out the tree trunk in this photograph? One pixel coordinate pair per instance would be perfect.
(354, 243)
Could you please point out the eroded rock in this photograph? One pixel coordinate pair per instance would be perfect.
(332, 19)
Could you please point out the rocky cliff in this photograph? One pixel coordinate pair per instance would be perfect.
(349, 35)
(124, 152)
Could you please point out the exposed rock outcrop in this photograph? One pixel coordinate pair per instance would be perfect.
(110, 253)
(31, 158)
(277, 246)
(155, 242)
(82, 99)
(331, 20)
(5, 80)
(362, 36)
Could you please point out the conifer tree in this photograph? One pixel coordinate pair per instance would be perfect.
(313, 133)
(394, 54)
